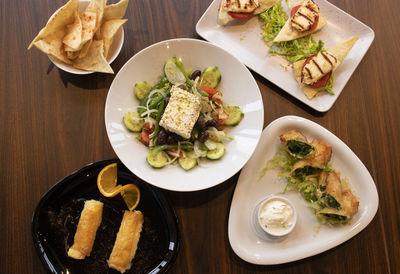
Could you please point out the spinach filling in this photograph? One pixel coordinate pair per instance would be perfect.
(305, 171)
(299, 149)
(331, 201)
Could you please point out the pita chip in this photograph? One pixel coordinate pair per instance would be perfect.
(64, 16)
(52, 45)
(94, 59)
(340, 52)
(73, 37)
(115, 11)
(108, 31)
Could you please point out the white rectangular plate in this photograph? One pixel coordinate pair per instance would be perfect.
(308, 237)
(243, 39)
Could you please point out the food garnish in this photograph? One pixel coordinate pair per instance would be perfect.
(328, 195)
(182, 117)
(82, 40)
(107, 185)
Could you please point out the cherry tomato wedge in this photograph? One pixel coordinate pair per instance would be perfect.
(321, 82)
(240, 15)
(210, 91)
(144, 138)
(221, 119)
(148, 128)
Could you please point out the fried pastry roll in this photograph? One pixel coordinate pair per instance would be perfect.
(126, 242)
(85, 234)
(296, 144)
(319, 160)
(340, 202)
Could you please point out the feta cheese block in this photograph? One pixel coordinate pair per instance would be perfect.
(181, 113)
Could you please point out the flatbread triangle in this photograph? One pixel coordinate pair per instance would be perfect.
(340, 52)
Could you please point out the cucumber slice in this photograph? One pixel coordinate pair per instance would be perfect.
(157, 159)
(210, 77)
(216, 153)
(173, 73)
(187, 162)
(133, 122)
(141, 88)
(235, 115)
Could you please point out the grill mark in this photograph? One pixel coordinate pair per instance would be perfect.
(309, 73)
(305, 16)
(327, 58)
(238, 3)
(317, 65)
(294, 22)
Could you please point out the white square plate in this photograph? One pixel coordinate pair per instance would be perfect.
(243, 40)
(308, 238)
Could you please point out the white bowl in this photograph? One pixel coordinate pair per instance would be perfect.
(113, 52)
(284, 231)
(238, 87)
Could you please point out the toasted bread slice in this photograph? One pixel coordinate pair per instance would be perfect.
(340, 52)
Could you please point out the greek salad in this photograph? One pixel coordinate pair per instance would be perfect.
(182, 117)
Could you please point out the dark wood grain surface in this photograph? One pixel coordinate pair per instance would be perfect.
(52, 123)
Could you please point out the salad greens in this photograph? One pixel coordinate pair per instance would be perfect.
(273, 21)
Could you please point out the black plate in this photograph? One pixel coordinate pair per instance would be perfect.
(56, 217)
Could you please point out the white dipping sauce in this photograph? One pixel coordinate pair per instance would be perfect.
(276, 216)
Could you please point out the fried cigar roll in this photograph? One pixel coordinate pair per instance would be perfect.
(318, 162)
(85, 234)
(296, 144)
(126, 242)
(341, 204)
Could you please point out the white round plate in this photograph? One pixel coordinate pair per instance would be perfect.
(238, 87)
(308, 237)
(113, 52)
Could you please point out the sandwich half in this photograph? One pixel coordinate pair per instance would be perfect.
(314, 73)
(305, 18)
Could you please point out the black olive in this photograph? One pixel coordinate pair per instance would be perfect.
(201, 123)
(162, 137)
(172, 138)
(204, 136)
(212, 123)
(195, 74)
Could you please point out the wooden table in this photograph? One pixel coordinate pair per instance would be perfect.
(52, 123)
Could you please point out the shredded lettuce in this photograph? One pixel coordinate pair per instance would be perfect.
(273, 20)
(329, 86)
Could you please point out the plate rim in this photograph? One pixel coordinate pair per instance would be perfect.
(172, 218)
(190, 40)
(306, 101)
(374, 205)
